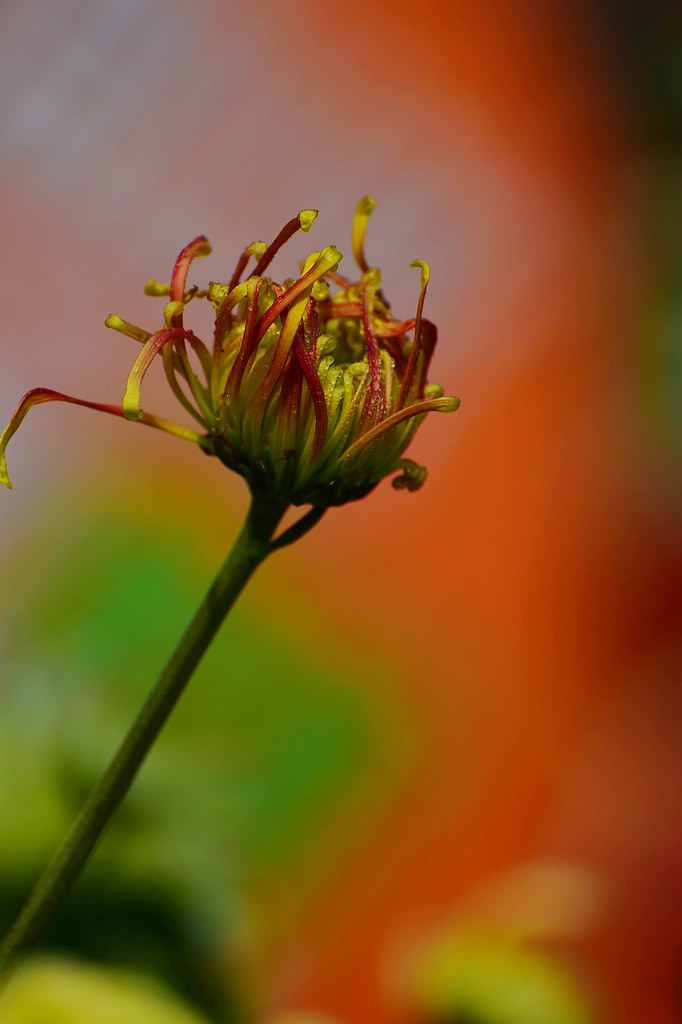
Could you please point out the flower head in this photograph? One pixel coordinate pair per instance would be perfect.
(310, 389)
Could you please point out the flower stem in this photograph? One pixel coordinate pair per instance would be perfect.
(252, 545)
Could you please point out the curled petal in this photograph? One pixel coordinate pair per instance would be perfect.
(339, 279)
(198, 247)
(393, 329)
(332, 309)
(172, 313)
(376, 405)
(302, 221)
(362, 215)
(253, 287)
(411, 368)
(290, 327)
(412, 477)
(307, 364)
(39, 395)
(316, 267)
(428, 405)
(131, 398)
(257, 249)
(296, 298)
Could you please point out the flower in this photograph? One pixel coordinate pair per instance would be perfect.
(311, 395)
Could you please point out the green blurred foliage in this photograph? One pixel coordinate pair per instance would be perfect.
(221, 831)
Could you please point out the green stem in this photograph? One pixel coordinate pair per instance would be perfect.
(250, 548)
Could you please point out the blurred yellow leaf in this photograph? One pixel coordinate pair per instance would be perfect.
(68, 992)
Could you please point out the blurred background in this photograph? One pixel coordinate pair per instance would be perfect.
(430, 770)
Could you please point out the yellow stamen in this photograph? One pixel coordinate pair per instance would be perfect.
(130, 330)
(154, 289)
(171, 310)
(306, 218)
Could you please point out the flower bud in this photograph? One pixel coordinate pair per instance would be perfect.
(310, 389)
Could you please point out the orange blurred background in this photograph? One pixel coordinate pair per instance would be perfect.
(521, 614)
